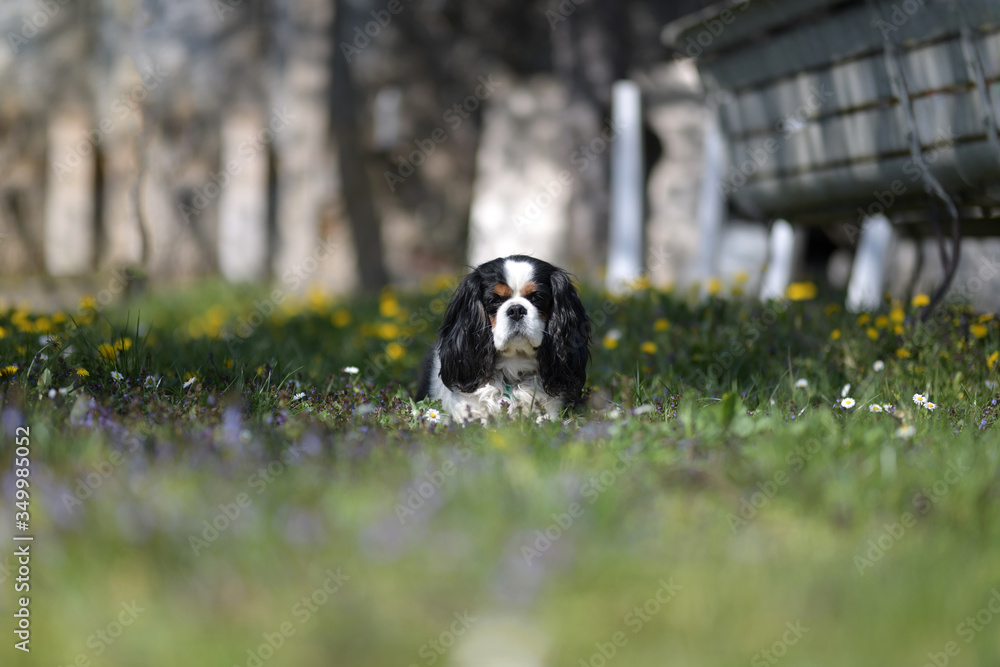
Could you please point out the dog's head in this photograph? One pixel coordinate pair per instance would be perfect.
(516, 306)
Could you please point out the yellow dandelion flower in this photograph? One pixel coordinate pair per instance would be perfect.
(896, 315)
(714, 286)
(388, 330)
(395, 351)
(835, 334)
(88, 303)
(83, 372)
(801, 291)
(979, 330)
(921, 300)
(8, 371)
(898, 330)
(741, 277)
(991, 361)
(872, 333)
(903, 353)
(661, 324)
(649, 347)
(864, 319)
(610, 342)
(641, 283)
(832, 309)
(3, 332)
(317, 298)
(106, 350)
(985, 317)
(388, 306)
(341, 318)
(444, 281)
(881, 322)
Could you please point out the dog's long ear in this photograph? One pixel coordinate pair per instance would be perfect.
(465, 342)
(565, 350)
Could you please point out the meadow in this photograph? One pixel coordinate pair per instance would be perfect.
(238, 476)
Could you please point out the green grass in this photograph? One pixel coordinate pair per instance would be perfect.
(698, 471)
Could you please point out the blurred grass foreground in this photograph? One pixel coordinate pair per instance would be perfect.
(220, 479)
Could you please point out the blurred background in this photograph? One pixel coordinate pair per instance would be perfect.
(352, 144)
(233, 460)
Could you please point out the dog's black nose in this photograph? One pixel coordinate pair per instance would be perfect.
(516, 312)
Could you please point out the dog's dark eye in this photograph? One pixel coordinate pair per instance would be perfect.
(538, 299)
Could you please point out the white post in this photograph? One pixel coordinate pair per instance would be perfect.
(711, 201)
(780, 262)
(70, 195)
(628, 187)
(864, 291)
(243, 243)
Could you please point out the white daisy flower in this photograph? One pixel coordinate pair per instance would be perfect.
(845, 390)
(930, 406)
(906, 431)
(878, 366)
(149, 382)
(874, 407)
(802, 383)
(116, 376)
(52, 393)
(191, 381)
(847, 403)
(299, 395)
(432, 416)
(351, 370)
(919, 399)
(888, 407)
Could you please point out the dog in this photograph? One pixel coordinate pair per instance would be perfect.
(515, 339)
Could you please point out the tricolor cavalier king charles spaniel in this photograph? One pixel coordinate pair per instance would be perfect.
(515, 339)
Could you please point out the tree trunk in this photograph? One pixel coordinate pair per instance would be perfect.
(590, 53)
(355, 187)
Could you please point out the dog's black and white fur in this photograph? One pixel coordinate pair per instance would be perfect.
(515, 338)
